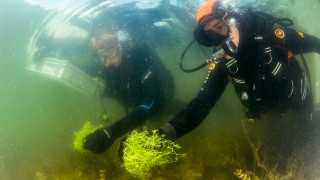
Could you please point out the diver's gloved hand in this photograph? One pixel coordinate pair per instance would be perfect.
(98, 141)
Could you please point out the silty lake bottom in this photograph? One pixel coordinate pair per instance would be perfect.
(39, 117)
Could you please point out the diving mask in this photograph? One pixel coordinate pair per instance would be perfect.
(216, 38)
(212, 34)
(105, 55)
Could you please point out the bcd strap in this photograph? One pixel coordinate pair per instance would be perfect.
(259, 67)
(232, 66)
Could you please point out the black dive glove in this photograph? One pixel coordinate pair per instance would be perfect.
(98, 141)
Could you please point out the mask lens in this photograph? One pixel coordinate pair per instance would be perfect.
(215, 37)
(219, 27)
(107, 54)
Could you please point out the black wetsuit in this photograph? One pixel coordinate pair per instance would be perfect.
(141, 83)
(283, 84)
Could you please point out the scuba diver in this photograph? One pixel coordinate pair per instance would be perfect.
(258, 59)
(135, 76)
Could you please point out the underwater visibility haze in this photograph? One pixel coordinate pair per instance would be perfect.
(40, 109)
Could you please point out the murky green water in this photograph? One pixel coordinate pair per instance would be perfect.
(38, 118)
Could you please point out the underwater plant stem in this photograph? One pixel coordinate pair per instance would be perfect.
(255, 150)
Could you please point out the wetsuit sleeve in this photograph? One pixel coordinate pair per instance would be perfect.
(152, 97)
(128, 123)
(196, 111)
(297, 42)
(135, 118)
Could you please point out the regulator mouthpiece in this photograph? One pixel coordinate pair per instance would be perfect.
(228, 47)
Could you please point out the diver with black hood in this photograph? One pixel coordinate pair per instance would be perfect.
(135, 76)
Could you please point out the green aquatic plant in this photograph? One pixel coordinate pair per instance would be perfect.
(105, 116)
(40, 176)
(102, 175)
(87, 128)
(245, 175)
(144, 150)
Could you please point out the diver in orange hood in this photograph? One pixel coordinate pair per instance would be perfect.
(258, 59)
